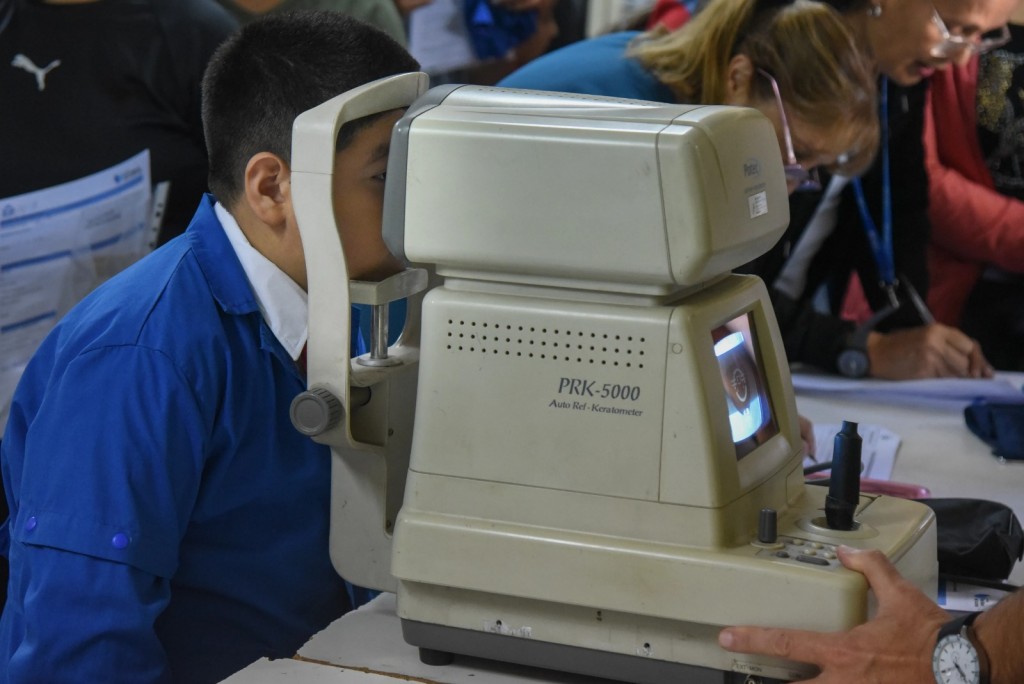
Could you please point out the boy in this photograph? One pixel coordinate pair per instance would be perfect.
(167, 522)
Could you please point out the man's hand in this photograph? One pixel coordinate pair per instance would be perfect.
(894, 647)
(929, 351)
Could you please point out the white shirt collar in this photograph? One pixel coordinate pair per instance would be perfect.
(282, 302)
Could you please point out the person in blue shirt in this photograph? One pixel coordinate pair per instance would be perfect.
(168, 524)
(794, 61)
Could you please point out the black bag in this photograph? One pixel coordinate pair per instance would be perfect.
(976, 538)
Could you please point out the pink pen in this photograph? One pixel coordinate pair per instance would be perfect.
(869, 485)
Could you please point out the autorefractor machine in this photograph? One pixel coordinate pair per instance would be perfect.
(583, 451)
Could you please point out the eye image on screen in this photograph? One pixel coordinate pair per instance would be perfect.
(746, 392)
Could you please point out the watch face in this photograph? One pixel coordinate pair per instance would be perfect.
(853, 363)
(956, 661)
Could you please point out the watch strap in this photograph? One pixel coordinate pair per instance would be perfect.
(963, 626)
(955, 625)
(859, 339)
(856, 345)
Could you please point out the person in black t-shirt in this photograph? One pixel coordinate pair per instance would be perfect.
(123, 77)
(88, 84)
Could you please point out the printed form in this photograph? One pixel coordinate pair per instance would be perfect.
(57, 245)
(878, 448)
(438, 37)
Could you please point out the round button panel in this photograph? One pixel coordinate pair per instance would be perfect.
(802, 551)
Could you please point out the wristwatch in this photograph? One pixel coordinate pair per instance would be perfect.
(853, 362)
(853, 359)
(958, 657)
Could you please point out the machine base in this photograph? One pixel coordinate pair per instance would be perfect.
(436, 640)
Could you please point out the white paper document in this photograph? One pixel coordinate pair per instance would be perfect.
(939, 389)
(877, 453)
(56, 246)
(438, 37)
(967, 598)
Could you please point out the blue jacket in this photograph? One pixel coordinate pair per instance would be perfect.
(598, 66)
(167, 521)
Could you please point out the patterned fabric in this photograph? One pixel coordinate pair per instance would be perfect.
(1000, 103)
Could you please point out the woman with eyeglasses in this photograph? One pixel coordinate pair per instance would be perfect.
(796, 62)
(876, 228)
(863, 240)
(974, 149)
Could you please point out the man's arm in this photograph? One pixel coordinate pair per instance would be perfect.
(999, 630)
(104, 466)
(93, 620)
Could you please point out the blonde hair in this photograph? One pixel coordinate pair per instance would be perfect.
(825, 80)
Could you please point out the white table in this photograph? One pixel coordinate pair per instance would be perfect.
(366, 646)
(936, 451)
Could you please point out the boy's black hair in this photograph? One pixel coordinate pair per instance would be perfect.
(274, 69)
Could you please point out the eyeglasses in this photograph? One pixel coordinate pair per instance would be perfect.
(804, 178)
(976, 43)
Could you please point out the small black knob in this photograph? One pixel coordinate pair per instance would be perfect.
(768, 526)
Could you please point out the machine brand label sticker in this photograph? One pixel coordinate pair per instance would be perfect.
(497, 627)
(777, 672)
(604, 392)
(757, 204)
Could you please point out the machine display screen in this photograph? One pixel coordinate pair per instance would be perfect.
(746, 393)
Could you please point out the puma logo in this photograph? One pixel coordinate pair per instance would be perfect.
(20, 61)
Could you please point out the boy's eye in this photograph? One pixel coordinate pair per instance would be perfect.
(381, 176)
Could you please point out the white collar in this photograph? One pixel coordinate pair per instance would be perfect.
(282, 302)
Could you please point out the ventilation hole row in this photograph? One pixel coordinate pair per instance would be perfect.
(545, 356)
(544, 330)
(544, 343)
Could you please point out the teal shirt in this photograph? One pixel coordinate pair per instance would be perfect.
(598, 66)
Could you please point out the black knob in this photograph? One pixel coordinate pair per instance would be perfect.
(768, 526)
(844, 485)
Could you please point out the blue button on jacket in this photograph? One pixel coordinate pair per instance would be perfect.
(167, 521)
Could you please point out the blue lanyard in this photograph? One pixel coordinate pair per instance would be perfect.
(881, 244)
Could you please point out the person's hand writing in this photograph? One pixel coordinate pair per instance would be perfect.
(894, 647)
(929, 351)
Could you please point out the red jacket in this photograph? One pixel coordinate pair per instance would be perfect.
(972, 223)
(670, 13)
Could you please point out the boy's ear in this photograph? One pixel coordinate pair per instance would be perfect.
(268, 188)
(739, 75)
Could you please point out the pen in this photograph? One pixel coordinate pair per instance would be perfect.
(922, 309)
(903, 490)
(868, 485)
